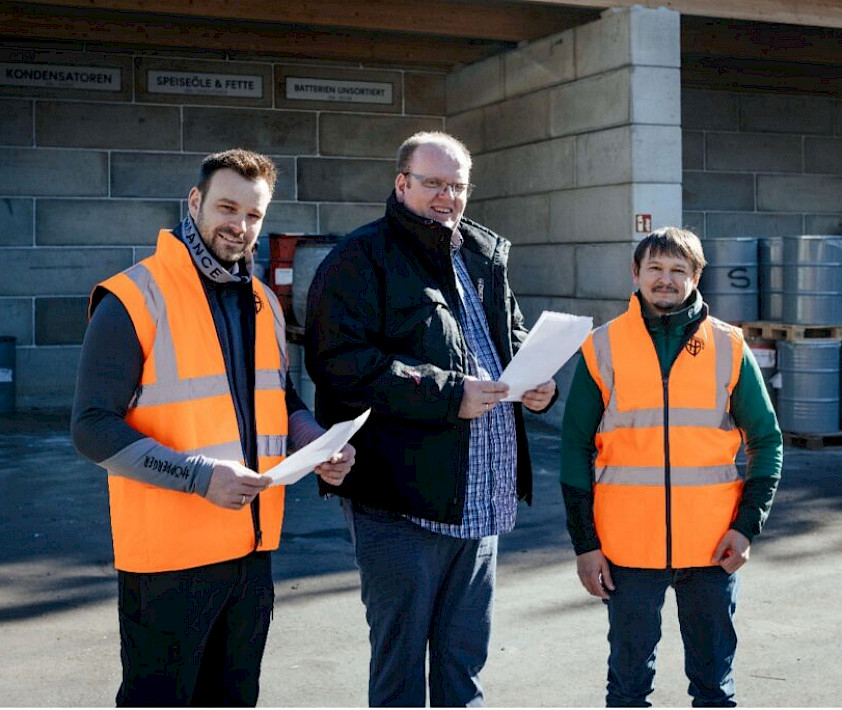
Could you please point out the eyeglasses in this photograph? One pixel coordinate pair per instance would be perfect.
(459, 189)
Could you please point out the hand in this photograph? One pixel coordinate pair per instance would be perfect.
(594, 573)
(537, 399)
(479, 396)
(234, 486)
(732, 552)
(334, 470)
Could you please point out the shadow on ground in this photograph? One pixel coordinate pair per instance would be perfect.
(55, 553)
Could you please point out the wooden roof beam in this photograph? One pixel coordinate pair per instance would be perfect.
(503, 20)
(280, 40)
(820, 13)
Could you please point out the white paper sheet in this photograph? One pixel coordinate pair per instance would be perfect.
(550, 343)
(297, 465)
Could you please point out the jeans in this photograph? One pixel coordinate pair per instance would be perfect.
(706, 598)
(421, 591)
(195, 637)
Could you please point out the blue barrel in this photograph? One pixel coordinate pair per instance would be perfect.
(7, 374)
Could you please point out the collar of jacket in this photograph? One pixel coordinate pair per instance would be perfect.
(434, 238)
(206, 264)
(693, 309)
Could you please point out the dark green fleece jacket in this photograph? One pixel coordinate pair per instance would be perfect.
(751, 409)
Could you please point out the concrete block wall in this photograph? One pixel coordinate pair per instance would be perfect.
(86, 182)
(572, 136)
(761, 164)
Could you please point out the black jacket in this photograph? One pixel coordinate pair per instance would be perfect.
(383, 332)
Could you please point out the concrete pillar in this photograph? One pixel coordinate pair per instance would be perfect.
(573, 137)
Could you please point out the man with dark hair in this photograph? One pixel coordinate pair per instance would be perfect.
(658, 407)
(182, 396)
(442, 459)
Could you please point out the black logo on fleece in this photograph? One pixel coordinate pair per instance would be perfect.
(694, 346)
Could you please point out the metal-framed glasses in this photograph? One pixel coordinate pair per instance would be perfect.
(459, 189)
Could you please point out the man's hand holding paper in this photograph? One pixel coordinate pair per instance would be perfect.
(550, 343)
(330, 456)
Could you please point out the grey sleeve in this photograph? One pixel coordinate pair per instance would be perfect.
(110, 366)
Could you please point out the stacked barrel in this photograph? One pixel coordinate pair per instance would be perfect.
(789, 303)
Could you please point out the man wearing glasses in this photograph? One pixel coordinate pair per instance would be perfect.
(412, 316)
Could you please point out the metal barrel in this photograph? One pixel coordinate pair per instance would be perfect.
(307, 390)
(7, 374)
(729, 281)
(812, 271)
(808, 400)
(770, 263)
(309, 254)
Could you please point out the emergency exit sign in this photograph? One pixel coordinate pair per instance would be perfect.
(643, 223)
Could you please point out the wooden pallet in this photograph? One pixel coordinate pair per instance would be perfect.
(813, 441)
(769, 330)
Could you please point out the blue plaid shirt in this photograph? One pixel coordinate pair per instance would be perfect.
(491, 494)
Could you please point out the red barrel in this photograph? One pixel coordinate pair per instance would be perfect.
(281, 253)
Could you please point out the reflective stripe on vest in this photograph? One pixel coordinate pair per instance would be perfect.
(649, 511)
(184, 401)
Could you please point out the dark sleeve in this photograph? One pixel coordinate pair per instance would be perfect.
(582, 414)
(754, 415)
(345, 323)
(110, 367)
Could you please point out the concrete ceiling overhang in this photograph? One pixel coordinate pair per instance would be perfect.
(436, 34)
(777, 44)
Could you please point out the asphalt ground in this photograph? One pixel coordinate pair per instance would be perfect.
(59, 642)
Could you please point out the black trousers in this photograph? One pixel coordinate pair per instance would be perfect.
(195, 637)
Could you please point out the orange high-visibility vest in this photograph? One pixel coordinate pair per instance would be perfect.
(184, 401)
(666, 488)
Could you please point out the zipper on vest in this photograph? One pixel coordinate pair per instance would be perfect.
(255, 521)
(667, 481)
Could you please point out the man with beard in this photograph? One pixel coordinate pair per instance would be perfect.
(658, 407)
(182, 396)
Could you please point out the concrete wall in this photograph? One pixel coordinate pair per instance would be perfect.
(572, 136)
(760, 164)
(85, 183)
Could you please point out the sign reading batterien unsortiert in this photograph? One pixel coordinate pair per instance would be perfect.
(60, 76)
(360, 92)
(245, 86)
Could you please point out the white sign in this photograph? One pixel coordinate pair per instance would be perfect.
(283, 277)
(360, 92)
(248, 86)
(765, 356)
(6, 375)
(60, 76)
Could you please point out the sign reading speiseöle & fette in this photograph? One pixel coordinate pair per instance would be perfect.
(204, 83)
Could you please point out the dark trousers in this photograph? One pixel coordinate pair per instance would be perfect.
(423, 590)
(706, 598)
(196, 636)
